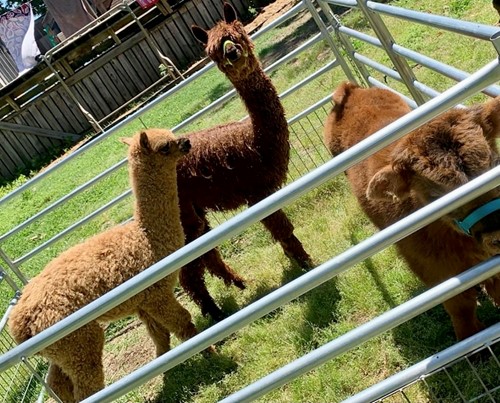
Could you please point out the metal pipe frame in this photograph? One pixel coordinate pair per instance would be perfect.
(232, 93)
(237, 224)
(387, 42)
(429, 365)
(222, 99)
(254, 214)
(13, 267)
(300, 286)
(329, 40)
(115, 167)
(346, 44)
(471, 29)
(375, 83)
(367, 331)
(439, 67)
(63, 199)
(467, 28)
(72, 227)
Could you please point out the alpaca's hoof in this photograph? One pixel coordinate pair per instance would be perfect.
(303, 260)
(295, 251)
(215, 313)
(240, 283)
(209, 351)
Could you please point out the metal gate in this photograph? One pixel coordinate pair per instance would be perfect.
(21, 372)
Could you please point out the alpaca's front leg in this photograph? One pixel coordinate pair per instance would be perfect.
(462, 310)
(79, 356)
(60, 383)
(281, 229)
(216, 266)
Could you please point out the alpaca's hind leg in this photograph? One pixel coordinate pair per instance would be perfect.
(213, 260)
(158, 333)
(192, 280)
(79, 355)
(492, 286)
(462, 310)
(216, 266)
(60, 383)
(191, 276)
(171, 315)
(281, 229)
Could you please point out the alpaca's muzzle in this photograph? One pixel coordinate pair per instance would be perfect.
(231, 51)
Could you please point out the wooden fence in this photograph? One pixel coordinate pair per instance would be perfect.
(101, 69)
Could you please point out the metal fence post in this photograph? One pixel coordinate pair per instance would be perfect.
(387, 41)
(327, 37)
(345, 43)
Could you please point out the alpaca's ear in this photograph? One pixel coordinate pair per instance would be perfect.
(388, 185)
(229, 13)
(342, 92)
(490, 118)
(144, 141)
(200, 34)
(126, 140)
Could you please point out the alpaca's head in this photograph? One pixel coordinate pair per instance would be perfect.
(156, 149)
(442, 155)
(229, 46)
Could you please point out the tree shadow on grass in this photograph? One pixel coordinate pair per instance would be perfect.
(182, 382)
(275, 51)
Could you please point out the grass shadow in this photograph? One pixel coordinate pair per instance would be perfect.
(182, 382)
(432, 332)
(291, 41)
(370, 267)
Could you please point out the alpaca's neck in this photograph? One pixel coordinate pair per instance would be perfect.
(156, 201)
(264, 107)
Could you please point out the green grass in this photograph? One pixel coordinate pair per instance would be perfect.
(327, 220)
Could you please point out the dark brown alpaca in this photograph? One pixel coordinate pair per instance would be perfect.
(424, 165)
(235, 164)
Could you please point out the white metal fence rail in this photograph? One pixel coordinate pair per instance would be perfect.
(356, 67)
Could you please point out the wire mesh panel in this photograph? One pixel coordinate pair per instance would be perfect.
(471, 378)
(22, 382)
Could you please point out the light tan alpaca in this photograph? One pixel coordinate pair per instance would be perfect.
(88, 270)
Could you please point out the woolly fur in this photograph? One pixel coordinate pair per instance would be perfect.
(88, 270)
(441, 155)
(236, 164)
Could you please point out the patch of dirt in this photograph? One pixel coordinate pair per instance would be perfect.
(127, 351)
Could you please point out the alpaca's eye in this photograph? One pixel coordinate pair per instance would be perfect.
(165, 149)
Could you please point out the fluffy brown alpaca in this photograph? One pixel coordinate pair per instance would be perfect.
(88, 270)
(429, 162)
(235, 164)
